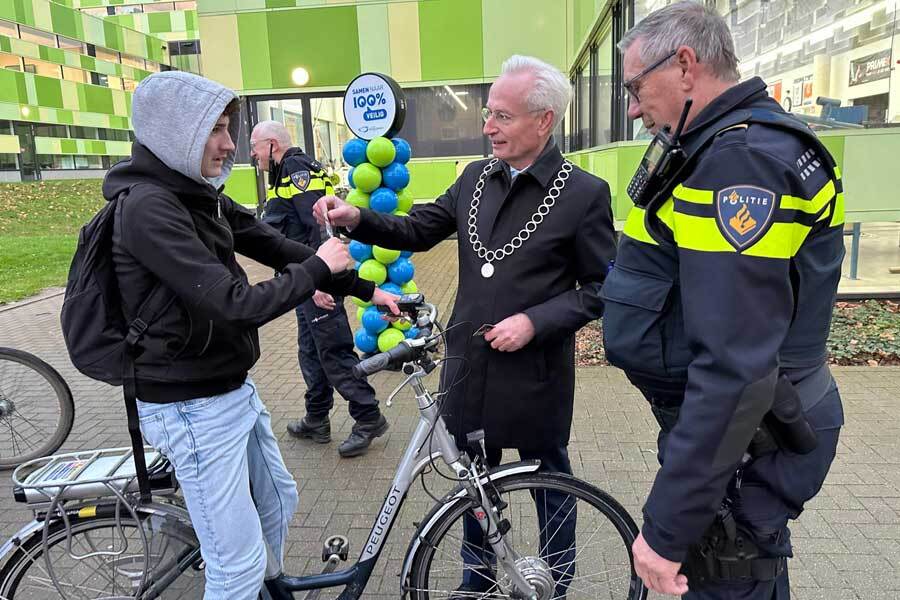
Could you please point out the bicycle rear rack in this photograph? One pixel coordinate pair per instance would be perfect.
(102, 473)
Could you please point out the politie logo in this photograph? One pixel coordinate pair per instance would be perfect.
(743, 213)
(301, 180)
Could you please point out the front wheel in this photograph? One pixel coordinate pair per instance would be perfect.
(571, 540)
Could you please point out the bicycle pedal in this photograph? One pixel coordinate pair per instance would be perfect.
(336, 545)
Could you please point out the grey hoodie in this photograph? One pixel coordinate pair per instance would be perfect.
(173, 114)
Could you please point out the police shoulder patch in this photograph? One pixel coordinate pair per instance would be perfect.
(744, 213)
(300, 179)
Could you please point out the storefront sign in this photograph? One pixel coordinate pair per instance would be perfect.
(870, 68)
(374, 106)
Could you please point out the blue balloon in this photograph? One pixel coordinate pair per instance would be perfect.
(350, 177)
(395, 176)
(401, 270)
(357, 265)
(391, 288)
(373, 322)
(406, 253)
(359, 251)
(365, 341)
(404, 152)
(355, 152)
(411, 333)
(383, 200)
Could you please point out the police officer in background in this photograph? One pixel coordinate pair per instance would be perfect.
(325, 342)
(718, 309)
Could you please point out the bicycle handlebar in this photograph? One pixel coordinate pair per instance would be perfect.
(406, 350)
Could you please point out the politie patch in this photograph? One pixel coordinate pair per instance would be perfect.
(301, 180)
(743, 213)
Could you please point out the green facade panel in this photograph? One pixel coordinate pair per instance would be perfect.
(98, 99)
(49, 92)
(450, 38)
(65, 21)
(159, 22)
(68, 147)
(254, 42)
(297, 38)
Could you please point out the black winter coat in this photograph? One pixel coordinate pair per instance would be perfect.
(522, 399)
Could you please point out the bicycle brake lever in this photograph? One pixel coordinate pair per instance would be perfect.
(390, 401)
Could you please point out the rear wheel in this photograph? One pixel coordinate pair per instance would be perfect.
(36, 408)
(572, 540)
(105, 558)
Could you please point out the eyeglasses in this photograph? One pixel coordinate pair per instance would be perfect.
(504, 118)
(253, 143)
(629, 85)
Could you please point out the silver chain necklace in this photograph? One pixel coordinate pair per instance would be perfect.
(491, 256)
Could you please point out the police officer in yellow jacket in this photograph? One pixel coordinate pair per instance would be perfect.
(718, 309)
(324, 339)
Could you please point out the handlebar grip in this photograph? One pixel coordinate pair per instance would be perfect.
(400, 353)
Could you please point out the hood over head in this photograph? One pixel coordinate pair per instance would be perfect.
(173, 114)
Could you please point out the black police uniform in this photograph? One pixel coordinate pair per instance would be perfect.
(324, 338)
(719, 288)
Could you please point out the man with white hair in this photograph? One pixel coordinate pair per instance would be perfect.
(535, 241)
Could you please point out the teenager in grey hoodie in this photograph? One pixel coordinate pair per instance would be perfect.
(196, 403)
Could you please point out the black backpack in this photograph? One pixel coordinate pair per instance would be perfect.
(101, 344)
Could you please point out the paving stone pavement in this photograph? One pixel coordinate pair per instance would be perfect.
(847, 541)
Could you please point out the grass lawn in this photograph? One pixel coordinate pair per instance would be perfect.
(39, 224)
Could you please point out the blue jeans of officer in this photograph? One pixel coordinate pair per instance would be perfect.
(326, 358)
(556, 514)
(238, 491)
(773, 490)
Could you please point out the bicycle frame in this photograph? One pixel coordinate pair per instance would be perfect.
(431, 432)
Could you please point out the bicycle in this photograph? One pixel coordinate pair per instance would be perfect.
(91, 539)
(36, 408)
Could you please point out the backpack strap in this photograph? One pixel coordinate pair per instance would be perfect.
(152, 308)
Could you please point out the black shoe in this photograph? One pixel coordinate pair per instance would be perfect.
(318, 431)
(361, 437)
(481, 582)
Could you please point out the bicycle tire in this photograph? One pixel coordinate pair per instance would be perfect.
(13, 405)
(426, 582)
(25, 577)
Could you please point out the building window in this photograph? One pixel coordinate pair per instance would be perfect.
(159, 7)
(88, 162)
(132, 61)
(50, 130)
(110, 81)
(151, 66)
(129, 10)
(129, 84)
(70, 44)
(55, 162)
(8, 162)
(186, 5)
(70, 74)
(184, 47)
(96, 12)
(107, 55)
(8, 29)
(85, 133)
(42, 68)
(603, 89)
(38, 37)
(10, 61)
(446, 120)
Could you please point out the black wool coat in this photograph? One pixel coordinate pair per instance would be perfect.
(521, 399)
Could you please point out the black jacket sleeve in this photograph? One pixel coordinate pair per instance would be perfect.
(159, 232)
(593, 249)
(264, 244)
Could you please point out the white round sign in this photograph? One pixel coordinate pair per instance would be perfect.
(374, 106)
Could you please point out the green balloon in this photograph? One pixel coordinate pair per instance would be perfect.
(402, 324)
(360, 302)
(384, 256)
(409, 287)
(358, 198)
(359, 312)
(366, 177)
(404, 200)
(381, 152)
(374, 271)
(389, 338)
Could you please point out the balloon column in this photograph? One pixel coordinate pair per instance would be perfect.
(379, 180)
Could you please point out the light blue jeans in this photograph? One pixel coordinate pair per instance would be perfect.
(221, 447)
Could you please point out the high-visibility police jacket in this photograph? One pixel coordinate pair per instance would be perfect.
(719, 288)
(297, 182)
